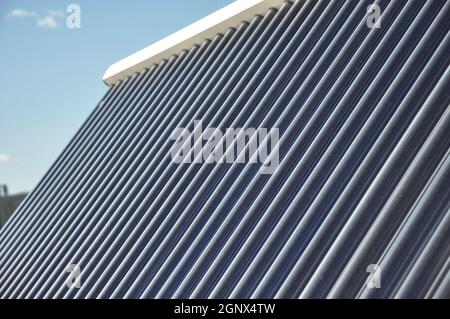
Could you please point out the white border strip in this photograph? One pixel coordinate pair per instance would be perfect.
(206, 28)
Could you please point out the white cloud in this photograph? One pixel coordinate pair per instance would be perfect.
(5, 158)
(50, 20)
(20, 13)
(47, 22)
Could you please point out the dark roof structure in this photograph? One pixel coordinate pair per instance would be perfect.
(8, 203)
(361, 190)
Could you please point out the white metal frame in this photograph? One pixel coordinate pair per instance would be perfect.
(206, 28)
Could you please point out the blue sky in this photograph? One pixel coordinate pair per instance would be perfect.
(50, 75)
